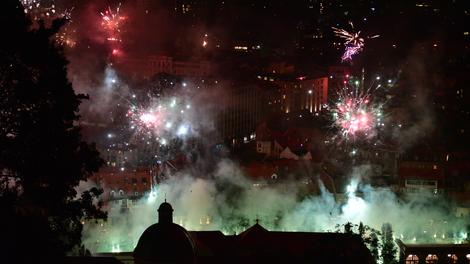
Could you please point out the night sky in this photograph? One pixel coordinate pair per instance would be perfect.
(372, 95)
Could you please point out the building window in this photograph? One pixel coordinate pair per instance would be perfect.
(111, 194)
(412, 259)
(431, 259)
(452, 258)
(121, 193)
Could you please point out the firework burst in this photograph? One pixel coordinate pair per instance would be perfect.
(353, 42)
(164, 120)
(47, 11)
(112, 21)
(66, 37)
(39, 10)
(354, 113)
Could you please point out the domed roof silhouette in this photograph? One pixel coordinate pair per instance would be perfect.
(165, 207)
(165, 241)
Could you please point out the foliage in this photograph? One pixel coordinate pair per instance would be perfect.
(374, 244)
(380, 244)
(389, 249)
(42, 155)
(348, 228)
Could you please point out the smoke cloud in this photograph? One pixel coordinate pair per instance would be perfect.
(227, 200)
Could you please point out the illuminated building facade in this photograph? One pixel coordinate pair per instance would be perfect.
(434, 253)
(315, 94)
(419, 175)
(123, 185)
(303, 94)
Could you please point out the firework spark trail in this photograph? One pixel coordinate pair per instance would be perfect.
(67, 35)
(349, 52)
(354, 43)
(111, 22)
(205, 41)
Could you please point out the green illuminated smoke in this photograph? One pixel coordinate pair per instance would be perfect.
(229, 202)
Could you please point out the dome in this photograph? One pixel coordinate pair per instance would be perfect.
(165, 213)
(165, 207)
(164, 243)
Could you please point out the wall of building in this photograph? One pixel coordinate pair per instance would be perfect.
(123, 184)
(304, 95)
(240, 111)
(149, 66)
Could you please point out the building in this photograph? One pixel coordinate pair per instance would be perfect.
(123, 185)
(316, 97)
(304, 94)
(167, 242)
(299, 139)
(337, 76)
(157, 64)
(415, 176)
(239, 112)
(434, 253)
(271, 148)
(192, 68)
(126, 184)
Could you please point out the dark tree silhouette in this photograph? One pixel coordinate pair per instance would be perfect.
(389, 249)
(42, 155)
(374, 245)
(348, 228)
(369, 236)
(361, 229)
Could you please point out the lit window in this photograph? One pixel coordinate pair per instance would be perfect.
(412, 259)
(452, 258)
(431, 259)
